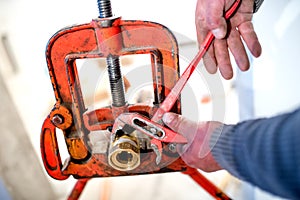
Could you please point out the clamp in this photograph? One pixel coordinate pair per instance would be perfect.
(105, 37)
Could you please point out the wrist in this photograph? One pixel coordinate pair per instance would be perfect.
(256, 5)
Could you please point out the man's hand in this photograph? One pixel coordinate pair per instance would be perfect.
(196, 153)
(229, 35)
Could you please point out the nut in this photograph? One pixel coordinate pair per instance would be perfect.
(57, 119)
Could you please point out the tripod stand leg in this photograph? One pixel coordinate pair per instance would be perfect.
(206, 184)
(77, 189)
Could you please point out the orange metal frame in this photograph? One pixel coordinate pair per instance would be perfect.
(100, 39)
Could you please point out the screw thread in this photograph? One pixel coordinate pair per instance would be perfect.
(116, 81)
(104, 7)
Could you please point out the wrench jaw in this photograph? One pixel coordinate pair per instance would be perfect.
(148, 137)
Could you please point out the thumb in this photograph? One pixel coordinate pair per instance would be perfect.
(180, 124)
(215, 19)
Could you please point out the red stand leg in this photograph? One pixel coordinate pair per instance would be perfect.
(206, 184)
(77, 189)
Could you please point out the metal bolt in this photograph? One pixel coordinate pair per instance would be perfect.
(172, 147)
(57, 119)
(153, 130)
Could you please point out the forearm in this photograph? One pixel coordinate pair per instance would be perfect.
(264, 152)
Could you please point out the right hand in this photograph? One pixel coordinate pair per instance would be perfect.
(197, 152)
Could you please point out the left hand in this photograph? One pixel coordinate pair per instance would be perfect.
(231, 35)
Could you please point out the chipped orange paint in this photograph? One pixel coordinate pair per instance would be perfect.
(95, 41)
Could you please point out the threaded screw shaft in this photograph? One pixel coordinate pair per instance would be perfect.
(104, 7)
(116, 81)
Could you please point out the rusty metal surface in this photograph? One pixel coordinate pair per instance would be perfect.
(69, 114)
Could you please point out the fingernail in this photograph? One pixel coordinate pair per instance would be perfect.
(218, 33)
(168, 118)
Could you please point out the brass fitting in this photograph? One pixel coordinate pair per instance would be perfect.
(124, 153)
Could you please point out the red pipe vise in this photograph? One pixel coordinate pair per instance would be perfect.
(128, 151)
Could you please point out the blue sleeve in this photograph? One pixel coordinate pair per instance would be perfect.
(264, 152)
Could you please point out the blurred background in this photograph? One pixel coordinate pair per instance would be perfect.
(26, 93)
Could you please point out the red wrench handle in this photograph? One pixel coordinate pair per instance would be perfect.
(169, 101)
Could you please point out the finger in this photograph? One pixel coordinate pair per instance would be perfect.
(183, 126)
(209, 57)
(249, 36)
(238, 51)
(210, 62)
(214, 18)
(223, 59)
